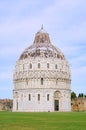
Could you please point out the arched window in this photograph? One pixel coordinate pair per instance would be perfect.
(55, 66)
(47, 65)
(27, 82)
(38, 97)
(17, 105)
(29, 97)
(41, 81)
(30, 66)
(38, 65)
(56, 81)
(48, 97)
(23, 66)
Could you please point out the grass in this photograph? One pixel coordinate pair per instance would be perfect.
(43, 121)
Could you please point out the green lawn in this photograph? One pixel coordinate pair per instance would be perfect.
(43, 121)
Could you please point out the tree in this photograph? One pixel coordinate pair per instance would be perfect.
(73, 95)
(85, 96)
(80, 95)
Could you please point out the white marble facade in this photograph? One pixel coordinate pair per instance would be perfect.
(42, 78)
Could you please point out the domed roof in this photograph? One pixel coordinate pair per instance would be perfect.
(42, 46)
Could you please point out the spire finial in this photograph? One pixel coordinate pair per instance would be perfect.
(42, 27)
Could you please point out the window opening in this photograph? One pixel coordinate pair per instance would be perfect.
(47, 65)
(41, 81)
(29, 97)
(56, 66)
(38, 97)
(30, 66)
(38, 65)
(47, 97)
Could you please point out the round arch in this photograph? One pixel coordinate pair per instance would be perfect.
(57, 95)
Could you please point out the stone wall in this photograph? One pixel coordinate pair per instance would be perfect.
(78, 104)
(6, 104)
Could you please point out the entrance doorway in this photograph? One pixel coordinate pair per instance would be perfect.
(57, 100)
(56, 105)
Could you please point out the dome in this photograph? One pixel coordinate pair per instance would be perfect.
(42, 46)
(43, 49)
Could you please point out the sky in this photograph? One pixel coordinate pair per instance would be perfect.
(64, 20)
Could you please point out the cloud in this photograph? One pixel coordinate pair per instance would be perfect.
(6, 92)
(78, 80)
(5, 88)
(64, 20)
(6, 75)
(10, 51)
(60, 13)
(79, 73)
(75, 33)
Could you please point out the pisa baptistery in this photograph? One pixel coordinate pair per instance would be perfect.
(42, 78)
